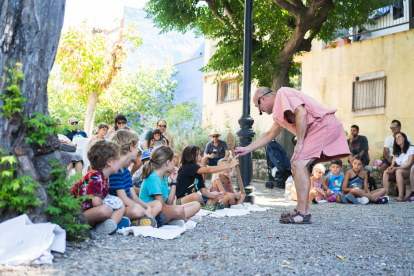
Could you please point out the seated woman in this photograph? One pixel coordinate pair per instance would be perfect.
(102, 131)
(214, 151)
(69, 159)
(222, 183)
(401, 163)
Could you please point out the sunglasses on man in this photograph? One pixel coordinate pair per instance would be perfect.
(74, 123)
(165, 126)
(393, 127)
(215, 136)
(121, 123)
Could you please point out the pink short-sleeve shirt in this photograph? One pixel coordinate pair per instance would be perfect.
(288, 99)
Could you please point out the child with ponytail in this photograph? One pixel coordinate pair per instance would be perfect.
(155, 186)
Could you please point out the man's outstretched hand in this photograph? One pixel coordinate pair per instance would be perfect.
(240, 151)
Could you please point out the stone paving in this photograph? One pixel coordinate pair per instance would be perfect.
(343, 239)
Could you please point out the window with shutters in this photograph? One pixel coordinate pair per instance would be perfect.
(229, 91)
(368, 93)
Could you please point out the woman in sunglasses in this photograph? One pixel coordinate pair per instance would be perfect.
(215, 150)
(120, 123)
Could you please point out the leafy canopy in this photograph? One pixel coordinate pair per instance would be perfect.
(273, 28)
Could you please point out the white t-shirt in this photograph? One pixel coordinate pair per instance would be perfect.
(403, 158)
(389, 143)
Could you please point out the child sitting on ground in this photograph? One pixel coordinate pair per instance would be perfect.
(222, 183)
(155, 186)
(139, 212)
(356, 186)
(333, 182)
(157, 139)
(104, 159)
(190, 180)
(290, 191)
(317, 183)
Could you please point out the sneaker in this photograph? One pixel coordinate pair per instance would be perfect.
(382, 200)
(220, 205)
(409, 198)
(160, 218)
(196, 218)
(144, 221)
(209, 207)
(106, 228)
(314, 201)
(351, 199)
(362, 200)
(332, 198)
(124, 223)
(322, 201)
(178, 222)
(343, 199)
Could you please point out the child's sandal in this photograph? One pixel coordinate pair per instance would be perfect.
(306, 219)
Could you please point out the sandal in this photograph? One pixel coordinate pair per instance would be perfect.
(398, 199)
(287, 214)
(306, 219)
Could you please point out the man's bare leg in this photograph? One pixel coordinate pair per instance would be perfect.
(302, 185)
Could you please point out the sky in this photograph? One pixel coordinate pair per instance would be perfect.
(99, 13)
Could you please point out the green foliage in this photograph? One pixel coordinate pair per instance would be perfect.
(64, 208)
(13, 100)
(39, 127)
(272, 29)
(16, 193)
(184, 116)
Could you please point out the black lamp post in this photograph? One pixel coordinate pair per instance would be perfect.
(246, 132)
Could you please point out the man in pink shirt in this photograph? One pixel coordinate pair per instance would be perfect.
(320, 138)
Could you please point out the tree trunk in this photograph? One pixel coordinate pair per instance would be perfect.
(90, 112)
(29, 34)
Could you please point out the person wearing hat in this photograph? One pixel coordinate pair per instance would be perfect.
(215, 150)
(136, 181)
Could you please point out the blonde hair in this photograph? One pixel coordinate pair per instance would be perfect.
(319, 166)
(124, 138)
(222, 160)
(159, 156)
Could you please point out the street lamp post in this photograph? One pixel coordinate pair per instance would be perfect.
(246, 132)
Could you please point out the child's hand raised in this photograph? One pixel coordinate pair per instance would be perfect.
(174, 175)
(234, 162)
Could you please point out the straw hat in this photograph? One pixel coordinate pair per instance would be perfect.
(214, 132)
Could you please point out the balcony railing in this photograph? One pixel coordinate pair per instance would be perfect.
(391, 19)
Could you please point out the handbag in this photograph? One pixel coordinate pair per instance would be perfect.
(67, 148)
(391, 177)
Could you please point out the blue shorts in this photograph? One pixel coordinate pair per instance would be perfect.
(213, 161)
(204, 199)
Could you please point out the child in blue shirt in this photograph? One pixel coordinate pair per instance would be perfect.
(155, 186)
(333, 182)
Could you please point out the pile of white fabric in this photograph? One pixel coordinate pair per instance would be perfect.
(25, 243)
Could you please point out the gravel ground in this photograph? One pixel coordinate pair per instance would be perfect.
(371, 239)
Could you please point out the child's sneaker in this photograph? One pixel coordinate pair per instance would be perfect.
(332, 198)
(209, 207)
(343, 199)
(196, 218)
(124, 223)
(144, 221)
(106, 228)
(363, 200)
(382, 200)
(220, 205)
(160, 218)
(314, 201)
(409, 198)
(351, 199)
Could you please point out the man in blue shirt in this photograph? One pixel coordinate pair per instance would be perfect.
(75, 131)
(214, 151)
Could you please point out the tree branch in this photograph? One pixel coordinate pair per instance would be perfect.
(214, 12)
(297, 3)
(322, 13)
(229, 13)
(295, 11)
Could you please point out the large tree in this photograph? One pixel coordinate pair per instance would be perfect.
(30, 32)
(281, 29)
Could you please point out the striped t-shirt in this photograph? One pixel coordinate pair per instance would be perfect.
(120, 181)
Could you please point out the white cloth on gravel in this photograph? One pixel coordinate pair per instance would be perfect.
(233, 212)
(25, 243)
(166, 232)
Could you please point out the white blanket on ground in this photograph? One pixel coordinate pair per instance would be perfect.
(24, 243)
(166, 232)
(232, 212)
